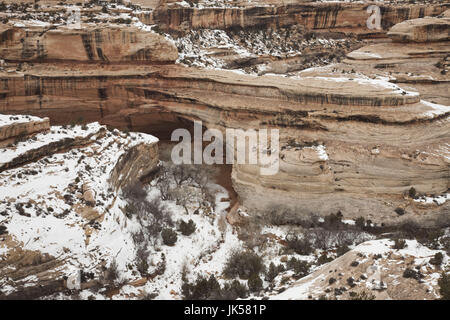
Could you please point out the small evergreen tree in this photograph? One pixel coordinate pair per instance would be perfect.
(169, 237)
(254, 283)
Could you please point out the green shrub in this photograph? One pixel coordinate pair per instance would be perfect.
(243, 264)
(412, 193)
(300, 267)
(399, 211)
(413, 274)
(112, 273)
(254, 283)
(130, 210)
(437, 259)
(444, 286)
(169, 236)
(333, 221)
(342, 250)
(360, 222)
(354, 264)
(324, 259)
(141, 261)
(201, 289)
(187, 228)
(363, 295)
(210, 289)
(234, 290)
(273, 271)
(300, 246)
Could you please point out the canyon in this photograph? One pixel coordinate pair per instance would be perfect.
(363, 114)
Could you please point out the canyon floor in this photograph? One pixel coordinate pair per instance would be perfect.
(93, 207)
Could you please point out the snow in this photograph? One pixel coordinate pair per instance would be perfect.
(439, 200)
(312, 285)
(42, 139)
(437, 109)
(49, 235)
(6, 120)
(299, 292)
(383, 246)
(57, 228)
(364, 55)
(321, 152)
(380, 83)
(65, 237)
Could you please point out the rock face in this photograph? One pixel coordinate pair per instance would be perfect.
(345, 118)
(69, 188)
(11, 128)
(421, 30)
(106, 44)
(333, 16)
(353, 137)
(136, 163)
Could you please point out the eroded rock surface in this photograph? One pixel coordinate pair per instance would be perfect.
(421, 30)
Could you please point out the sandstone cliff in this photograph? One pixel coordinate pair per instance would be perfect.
(421, 30)
(334, 16)
(102, 44)
(355, 136)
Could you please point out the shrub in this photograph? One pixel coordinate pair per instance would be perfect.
(134, 191)
(410, 273)
(141, 261)
(354, 264)
(187, 228)
(444, 286)
(130, 210)
(437, 259)
(399, 244)
(273, 271)
(363, 295)
(331, 280)
(201, 289)
(112, 273)
(351, 282)
(254, 283)
(169, 236)
(324, 259)
(243, 264)
(342, 250)
(300, 267)
(412, 193)
(138, 237)
(333, 221)
(399, 211)
(300, 246)
(210, 289)
(234, 290)
(360, 222)
(446, 244)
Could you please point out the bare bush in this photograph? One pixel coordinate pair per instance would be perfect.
(250, 234)
(279, 215)
(300, 245)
